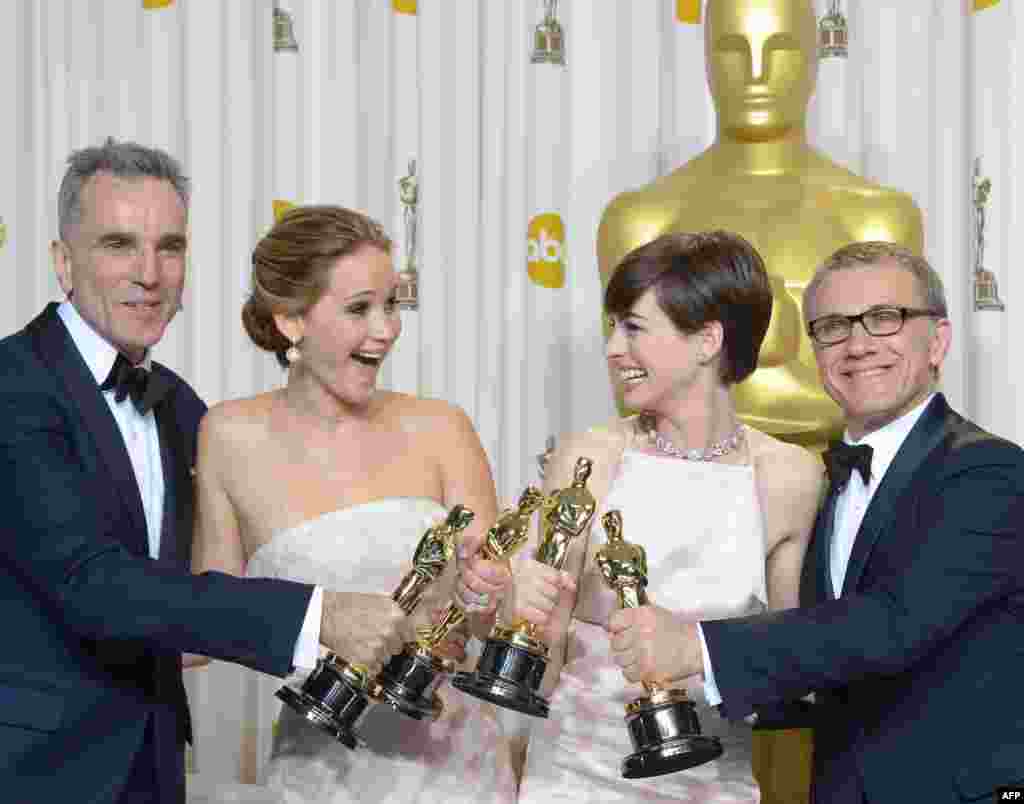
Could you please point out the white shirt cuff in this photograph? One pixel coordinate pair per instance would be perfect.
(307, 646)
(711, 693)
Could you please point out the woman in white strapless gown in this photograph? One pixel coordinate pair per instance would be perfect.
(365, 548)
(331, 482)
(723, 511)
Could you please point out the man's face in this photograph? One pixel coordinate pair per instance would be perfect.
(761, 62)
(876, 379)
(123, 265)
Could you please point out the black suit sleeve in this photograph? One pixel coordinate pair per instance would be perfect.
(968, 550)
(59, 536)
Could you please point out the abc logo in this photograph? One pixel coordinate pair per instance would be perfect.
(281, 207)
(545, 250)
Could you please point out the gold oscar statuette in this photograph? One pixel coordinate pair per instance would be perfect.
(663, 725)
(762, 178)
(337, 694)
(410, 680)
(513, 661)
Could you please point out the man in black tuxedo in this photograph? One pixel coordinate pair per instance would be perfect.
(96, 447)
(912, 619)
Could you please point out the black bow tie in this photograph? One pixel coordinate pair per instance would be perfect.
(141, 385)
(842, 458)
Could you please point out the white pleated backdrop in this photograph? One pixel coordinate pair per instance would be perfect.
(928, 86)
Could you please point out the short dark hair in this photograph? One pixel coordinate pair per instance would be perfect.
(125, 160)
(699, 278)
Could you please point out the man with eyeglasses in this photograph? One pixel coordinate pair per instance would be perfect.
(912, 593)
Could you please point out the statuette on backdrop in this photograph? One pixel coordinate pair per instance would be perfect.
(549, 38)
(833, 33)
(284, 31)
(986, 289)
(512, 664)
(336, 696)
(663, 725)
(408, 276)
(545, 457)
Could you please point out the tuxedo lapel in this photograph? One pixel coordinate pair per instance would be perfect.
(828, 523)
(59, 352)
(816, 578)
(175, 533)
(920, 441)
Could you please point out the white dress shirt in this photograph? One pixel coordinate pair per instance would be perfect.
(853, 500)
(142, 440)
(851, 505)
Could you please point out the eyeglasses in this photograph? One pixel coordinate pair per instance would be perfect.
(879, 321)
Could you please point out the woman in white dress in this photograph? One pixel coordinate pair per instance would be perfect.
(331, 481)
(723, 511)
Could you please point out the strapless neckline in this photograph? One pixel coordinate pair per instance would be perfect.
(347, 511)
(367, 548)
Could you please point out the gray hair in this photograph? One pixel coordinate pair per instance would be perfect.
(872, 252)
(127, 160)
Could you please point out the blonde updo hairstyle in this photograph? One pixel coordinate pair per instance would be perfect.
(291, 266)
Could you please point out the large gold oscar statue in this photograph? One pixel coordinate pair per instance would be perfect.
(761, 179)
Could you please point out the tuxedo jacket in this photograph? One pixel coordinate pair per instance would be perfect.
(917, 666)
(93, 629)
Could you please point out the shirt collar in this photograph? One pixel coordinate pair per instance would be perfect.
(886, 441)
(98, 353)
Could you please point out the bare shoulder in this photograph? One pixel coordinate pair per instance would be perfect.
(237, 420)
(784, 469)
(420, 415)
(604, 439)
(229, 434)
(602, 444)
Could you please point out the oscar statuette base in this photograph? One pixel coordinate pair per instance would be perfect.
(330, 700)
(409, 682)
(508, 674)
(665, 734)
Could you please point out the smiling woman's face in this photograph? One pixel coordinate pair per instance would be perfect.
(350, 330)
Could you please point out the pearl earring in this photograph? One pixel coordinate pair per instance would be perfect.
(293, 355)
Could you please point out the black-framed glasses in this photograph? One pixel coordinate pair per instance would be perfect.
(883, 320)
